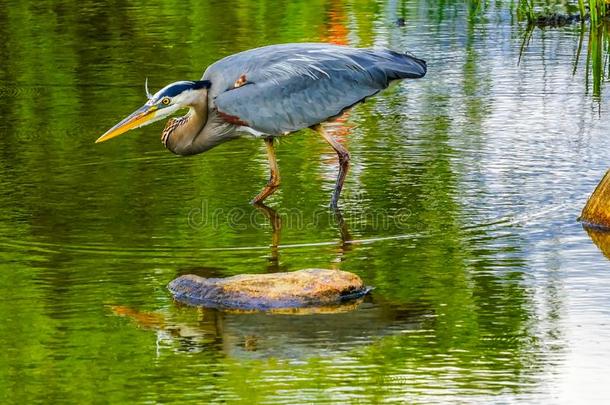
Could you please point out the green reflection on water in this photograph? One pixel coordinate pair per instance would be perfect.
(88, 226)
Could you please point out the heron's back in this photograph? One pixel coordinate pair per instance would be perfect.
(284, 88)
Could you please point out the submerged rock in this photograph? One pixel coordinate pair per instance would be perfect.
(303, 288)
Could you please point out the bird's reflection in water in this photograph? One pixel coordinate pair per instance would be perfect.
(276, 228)
(346, 237)
(275, 220)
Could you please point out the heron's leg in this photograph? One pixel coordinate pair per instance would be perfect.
(274, 178)
(343, 163)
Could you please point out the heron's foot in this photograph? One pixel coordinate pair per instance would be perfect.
(270, 188)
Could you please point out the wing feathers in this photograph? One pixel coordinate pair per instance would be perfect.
(296, 86)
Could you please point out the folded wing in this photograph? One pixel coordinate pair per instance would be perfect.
(284, 88)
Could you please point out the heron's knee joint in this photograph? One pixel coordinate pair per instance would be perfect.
(344, 157)
(274, 181)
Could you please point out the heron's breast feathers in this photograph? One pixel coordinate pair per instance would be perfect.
(171, 126)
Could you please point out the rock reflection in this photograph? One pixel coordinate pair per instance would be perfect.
(601, 239)
(286, 334)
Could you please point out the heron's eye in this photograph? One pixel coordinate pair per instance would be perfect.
(165, 101)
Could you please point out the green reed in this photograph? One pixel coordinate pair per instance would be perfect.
(582, 9)
(597, 67)
(526, 10)
(597, 10)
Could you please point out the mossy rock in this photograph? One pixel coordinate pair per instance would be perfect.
(298, 289)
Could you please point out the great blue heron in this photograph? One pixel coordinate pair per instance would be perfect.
(270, 92)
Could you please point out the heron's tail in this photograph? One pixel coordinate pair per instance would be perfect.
(419, 66)
(404, 66)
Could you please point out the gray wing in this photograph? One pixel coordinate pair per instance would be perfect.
(284, 88)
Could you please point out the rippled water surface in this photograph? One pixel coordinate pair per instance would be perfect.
(460, 209)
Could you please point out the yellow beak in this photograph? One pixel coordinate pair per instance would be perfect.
(138, 118)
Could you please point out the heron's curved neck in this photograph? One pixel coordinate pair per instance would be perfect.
(179, 133)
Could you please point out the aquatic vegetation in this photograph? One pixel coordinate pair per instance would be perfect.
(549, 12)
(597, 68)
(597, 9)
(593, 17)
(526, 10)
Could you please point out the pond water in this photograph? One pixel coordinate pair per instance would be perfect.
(460, 208)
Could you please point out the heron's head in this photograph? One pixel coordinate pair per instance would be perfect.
(162, 104)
